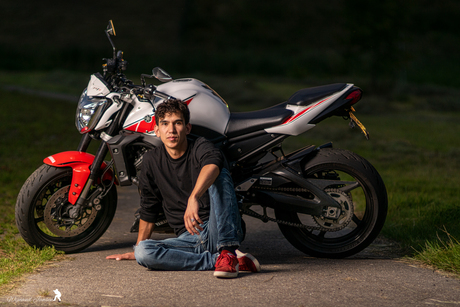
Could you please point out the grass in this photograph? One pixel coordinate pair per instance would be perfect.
(413, 145)
(18, 258)
(443, 254)
(31, 128)
(56, 81)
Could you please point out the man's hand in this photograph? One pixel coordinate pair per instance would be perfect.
(192, 220)
(127, 256)
(145, 231)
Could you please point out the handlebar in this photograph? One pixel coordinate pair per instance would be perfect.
(148, 91)
(162, 95)
(151, 91)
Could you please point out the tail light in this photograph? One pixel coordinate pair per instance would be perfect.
(354, 96)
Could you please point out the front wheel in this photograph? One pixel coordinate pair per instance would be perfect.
(357, 186)
(42, 212)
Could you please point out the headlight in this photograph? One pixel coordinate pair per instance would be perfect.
(89, 112)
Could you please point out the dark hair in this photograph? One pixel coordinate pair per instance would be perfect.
(172, 106)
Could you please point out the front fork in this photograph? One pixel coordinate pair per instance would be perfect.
(83, 147)
(84, 143)
(93, 176)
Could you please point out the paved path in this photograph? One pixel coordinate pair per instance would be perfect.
(288, 277)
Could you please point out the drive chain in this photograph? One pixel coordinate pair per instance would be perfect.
(265, 218)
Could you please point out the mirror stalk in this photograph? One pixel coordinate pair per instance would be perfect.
(111, 31)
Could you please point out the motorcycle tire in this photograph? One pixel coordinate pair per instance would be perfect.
(367, 199)
(36, 209)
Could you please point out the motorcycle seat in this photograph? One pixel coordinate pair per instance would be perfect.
(241, 123)
(308, 95)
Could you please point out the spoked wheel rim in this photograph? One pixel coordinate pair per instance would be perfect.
(361, 216)
(363, 226)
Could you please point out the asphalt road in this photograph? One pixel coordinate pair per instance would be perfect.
(375, 277)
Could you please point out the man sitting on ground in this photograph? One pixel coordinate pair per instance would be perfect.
(191, 182)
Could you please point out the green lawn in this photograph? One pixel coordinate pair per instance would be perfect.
(31, 128)
(413, 146)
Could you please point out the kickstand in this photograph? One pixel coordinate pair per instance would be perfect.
(265, 216)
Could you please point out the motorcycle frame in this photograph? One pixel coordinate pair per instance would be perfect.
(287, 169)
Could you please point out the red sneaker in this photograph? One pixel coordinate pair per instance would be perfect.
(226, 265)
(247, 262)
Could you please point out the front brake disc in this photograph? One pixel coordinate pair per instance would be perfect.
(66, 227)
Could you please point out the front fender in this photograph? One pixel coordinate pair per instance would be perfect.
(80, 163)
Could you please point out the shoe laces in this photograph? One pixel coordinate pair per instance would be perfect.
(227, 258)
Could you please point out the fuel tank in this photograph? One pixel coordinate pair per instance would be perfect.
(209, 113)
(207, 109)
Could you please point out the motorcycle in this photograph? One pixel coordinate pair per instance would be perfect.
(327, 202)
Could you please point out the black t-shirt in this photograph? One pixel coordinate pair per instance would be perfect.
(168, 182)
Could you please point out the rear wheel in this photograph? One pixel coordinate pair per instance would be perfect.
(356, 185)
(42, 212)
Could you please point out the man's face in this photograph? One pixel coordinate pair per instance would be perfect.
(173, 131)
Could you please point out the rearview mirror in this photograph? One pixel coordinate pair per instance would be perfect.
(111, 29)
(161, 75)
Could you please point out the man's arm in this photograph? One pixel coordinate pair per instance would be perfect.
(145, 231)
(206, 178)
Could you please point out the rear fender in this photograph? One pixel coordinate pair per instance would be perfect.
(80, 163)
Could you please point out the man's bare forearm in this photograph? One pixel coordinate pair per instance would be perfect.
(145, 231)
(206, 178)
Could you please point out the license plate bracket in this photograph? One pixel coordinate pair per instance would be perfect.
(355, 122)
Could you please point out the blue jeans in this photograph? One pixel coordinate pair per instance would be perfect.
(198, 252)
